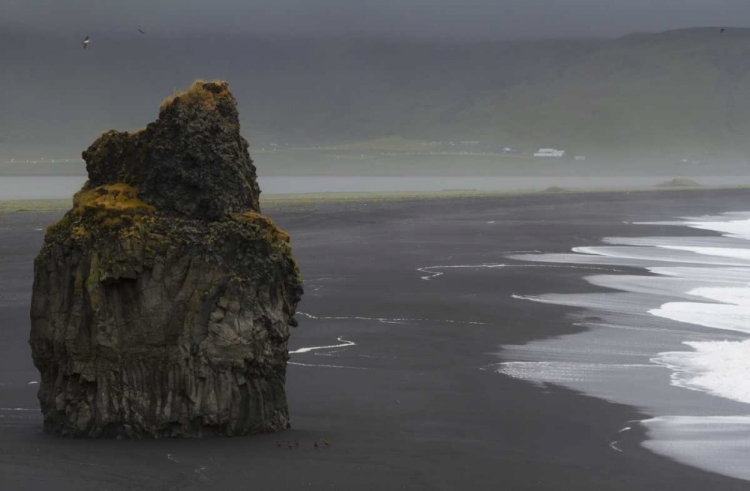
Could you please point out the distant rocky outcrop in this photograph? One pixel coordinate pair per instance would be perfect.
(678, 183)
(555, 189)
(162, 300)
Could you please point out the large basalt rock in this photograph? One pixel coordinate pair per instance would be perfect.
(162, 301)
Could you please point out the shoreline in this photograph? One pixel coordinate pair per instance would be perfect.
(623, 341)
(274, 200)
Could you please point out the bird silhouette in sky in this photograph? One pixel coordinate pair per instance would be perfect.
(141, 31)
(85, 42)
(722, 30)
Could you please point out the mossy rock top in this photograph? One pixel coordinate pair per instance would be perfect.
(186, 177)
(192, 161)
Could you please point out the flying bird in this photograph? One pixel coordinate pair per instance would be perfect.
(722, 30)
(141, 31)
(85, 42)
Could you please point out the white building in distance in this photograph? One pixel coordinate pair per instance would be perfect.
(550, 153)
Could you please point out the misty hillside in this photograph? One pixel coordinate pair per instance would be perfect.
(675, 93)
(681, 92)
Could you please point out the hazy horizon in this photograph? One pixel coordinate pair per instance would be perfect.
(392, 19)
(590, 78)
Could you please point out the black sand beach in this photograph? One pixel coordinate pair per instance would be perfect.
(411, 405)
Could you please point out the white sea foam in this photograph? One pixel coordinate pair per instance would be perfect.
(344, 344)
(386, 320)
(701, 282)
(703, 274)
(714, 256)
(623, 303)
(530, 298)
(732, 314)
(432, 273)
(717, 316)
(721, 368)
(734, 253)
(733, 295)
(613, 446)
(675, 241)
(648, 285)
(732, 228)
(318, 365)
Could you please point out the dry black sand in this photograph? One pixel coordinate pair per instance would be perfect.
(413, 407)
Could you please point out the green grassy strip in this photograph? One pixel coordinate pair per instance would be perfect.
(274, 200)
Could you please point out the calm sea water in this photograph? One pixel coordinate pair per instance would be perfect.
(61, 187)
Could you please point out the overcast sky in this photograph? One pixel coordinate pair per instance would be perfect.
(443, 19)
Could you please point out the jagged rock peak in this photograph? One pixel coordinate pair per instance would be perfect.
(191, 161)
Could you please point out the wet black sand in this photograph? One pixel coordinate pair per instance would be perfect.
(413, 404)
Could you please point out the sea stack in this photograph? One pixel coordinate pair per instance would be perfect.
(163, 299)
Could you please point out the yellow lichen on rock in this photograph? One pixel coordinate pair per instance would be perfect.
(110, 198)
(109, 206)
(264, 224)
(104, 207)
(198, 93)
